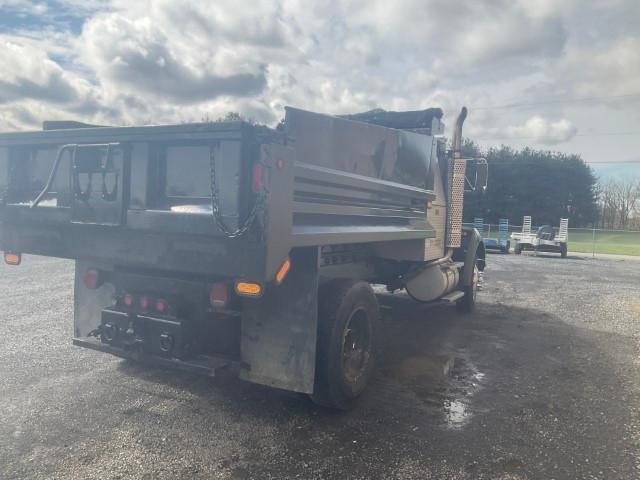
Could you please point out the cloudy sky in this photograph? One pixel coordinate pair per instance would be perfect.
(561, 75)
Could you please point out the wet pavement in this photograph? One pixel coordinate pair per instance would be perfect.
(541, 383)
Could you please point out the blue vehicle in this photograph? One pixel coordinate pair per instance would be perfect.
(502, 242)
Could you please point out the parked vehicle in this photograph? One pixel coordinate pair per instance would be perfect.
(233, 246)
(501, 243)
(545, 239)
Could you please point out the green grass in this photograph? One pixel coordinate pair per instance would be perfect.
(615, 243)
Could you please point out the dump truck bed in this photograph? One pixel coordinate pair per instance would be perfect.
(141, 196)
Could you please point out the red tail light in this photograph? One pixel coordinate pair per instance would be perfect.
(219, 295)
(12, 258)
(144, 302)
(127, 300)
(161, 306)
(257, 181)
(92, 279)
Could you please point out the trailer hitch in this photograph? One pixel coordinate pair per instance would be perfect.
(110, 332)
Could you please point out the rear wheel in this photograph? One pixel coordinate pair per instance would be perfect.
(563, 250)
(347, 342)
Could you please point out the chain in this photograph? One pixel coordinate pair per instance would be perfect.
(215, 205)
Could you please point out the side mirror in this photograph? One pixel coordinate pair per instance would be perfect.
(482, 175)
(477, 177)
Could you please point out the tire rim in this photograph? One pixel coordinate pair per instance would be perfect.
(356, 346)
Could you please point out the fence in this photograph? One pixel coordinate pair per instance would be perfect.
(585, 240)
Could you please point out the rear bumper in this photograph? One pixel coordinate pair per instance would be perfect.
(202, 364)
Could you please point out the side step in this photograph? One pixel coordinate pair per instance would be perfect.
(453, 296)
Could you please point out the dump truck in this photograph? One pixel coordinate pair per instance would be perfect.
(234, 247)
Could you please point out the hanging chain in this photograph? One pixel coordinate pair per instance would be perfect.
(215, 204)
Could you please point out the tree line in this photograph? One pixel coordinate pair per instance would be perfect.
(543, 184)
(619, 204)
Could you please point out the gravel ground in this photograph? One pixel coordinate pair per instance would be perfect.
(544, 384)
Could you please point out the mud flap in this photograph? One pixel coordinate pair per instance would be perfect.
(279, 329)
(88, 304)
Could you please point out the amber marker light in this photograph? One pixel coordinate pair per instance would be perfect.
(12, 258)
(283, 271)
(248, 289)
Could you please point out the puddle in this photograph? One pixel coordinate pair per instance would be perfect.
(445, 385)
(436, 366)
(456, 412)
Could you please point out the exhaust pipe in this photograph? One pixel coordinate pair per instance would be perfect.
(457, 134)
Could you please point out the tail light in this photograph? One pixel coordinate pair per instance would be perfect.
(161, 305)
(92, 279)
(12, 258)
(257, 180)
(144, 302)
(219, 295)
(127, 300)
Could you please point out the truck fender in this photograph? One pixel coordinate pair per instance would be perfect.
(472, 252)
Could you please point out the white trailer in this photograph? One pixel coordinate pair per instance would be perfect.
(544, 239)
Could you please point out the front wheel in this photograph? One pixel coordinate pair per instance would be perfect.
(468, 302)
(347, 342)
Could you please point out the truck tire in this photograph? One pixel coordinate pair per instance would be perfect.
(563, 250)
(517, 249)
(467, 303)
(347, 347)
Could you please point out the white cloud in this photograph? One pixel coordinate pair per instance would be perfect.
(326, 55)
(163, 61)
(537, 130)
(610, 70)
(137, 56)
(28, 73)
